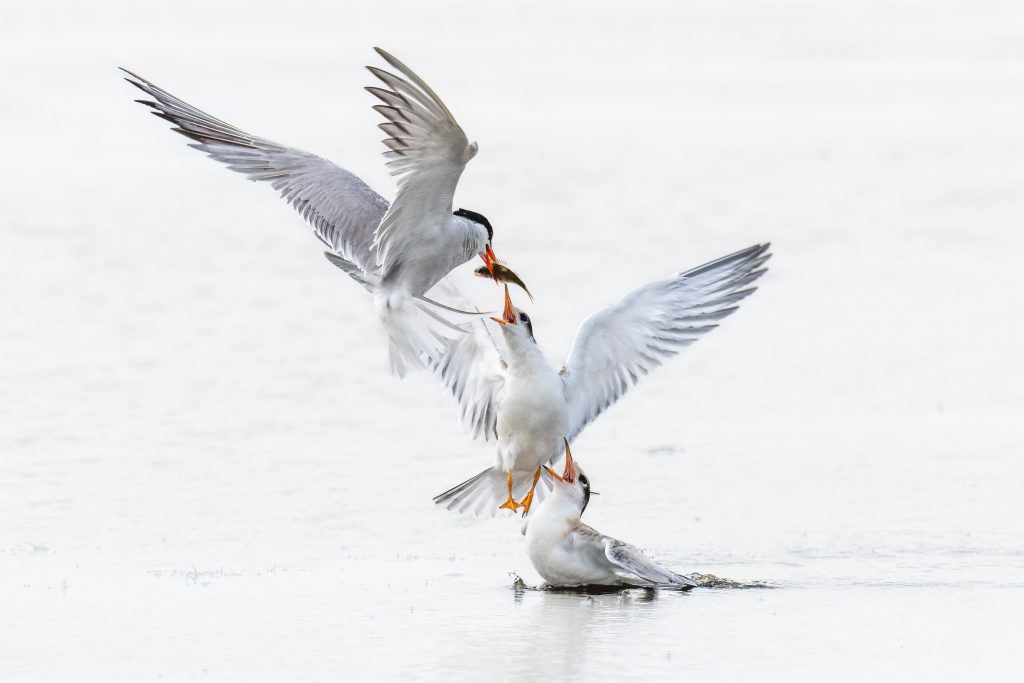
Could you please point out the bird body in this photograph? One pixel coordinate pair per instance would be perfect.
(398, 296)
(516, 396)
(530, 417)
(567, 553)
(397, 250)
(446, 244)
(532, 414)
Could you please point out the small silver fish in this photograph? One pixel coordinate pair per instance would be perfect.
(502, 273)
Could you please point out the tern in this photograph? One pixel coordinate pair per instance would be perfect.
(566, 552)
(403, 248)
(516, 397)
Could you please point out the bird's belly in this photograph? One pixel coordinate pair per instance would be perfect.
(572, 572)
(560, 565)
(530, 427)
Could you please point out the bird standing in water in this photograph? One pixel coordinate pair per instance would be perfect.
(566, 552)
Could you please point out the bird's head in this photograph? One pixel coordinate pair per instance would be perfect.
(572, 482)
(485, 235)
(515, 324)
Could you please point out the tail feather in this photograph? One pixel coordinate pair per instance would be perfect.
(416, 327)
(475, 494)
(485, 492)
(416, 331)
(400, 360)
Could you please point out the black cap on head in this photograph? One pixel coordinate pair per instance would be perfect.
(477, 218)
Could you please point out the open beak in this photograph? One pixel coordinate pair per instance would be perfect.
(509, 313)
(569, 475)
(489, 259)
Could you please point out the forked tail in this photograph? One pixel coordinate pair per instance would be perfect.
(416, 331)
(484, 493)
(418, 328)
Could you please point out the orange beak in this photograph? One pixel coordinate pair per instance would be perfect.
(569, 475)
(509, 313)
(489, 259)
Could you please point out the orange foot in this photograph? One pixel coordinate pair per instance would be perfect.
(511, 503)
(528, 501)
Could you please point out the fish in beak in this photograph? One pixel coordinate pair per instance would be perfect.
(509, 314)
(499, 272)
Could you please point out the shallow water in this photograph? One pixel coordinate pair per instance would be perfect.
(205, 468)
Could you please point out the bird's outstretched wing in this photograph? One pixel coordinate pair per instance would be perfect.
(471, 368)
(619, 344)
(631, 564)
(342, 209)
(427, 151)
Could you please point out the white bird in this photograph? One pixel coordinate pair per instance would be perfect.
(517, 397)
(566, 552)
(404, 248)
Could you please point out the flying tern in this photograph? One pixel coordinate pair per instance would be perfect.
(515, 396)
(398, 250)
(567, 552)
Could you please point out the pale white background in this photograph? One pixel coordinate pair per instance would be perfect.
(206, 473)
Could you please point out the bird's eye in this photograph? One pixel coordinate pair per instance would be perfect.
(524, 318)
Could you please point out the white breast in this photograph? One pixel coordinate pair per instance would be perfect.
(547, 542)
(532, 419)
(559, 557)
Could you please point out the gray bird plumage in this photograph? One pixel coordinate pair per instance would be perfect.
(343, 210)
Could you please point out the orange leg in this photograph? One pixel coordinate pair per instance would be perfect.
(511, 503)
(528, 501)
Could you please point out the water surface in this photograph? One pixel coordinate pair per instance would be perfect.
(206, 470)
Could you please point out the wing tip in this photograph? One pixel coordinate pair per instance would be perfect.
(380, 73)
(131, 75)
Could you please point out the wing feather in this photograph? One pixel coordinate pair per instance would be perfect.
(471, 369)
(618, 345)
(342, 209)
(631, 564)
(427, 152)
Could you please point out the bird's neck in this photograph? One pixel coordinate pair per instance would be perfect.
(557, 509)
(474, 237)
(525, 356)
